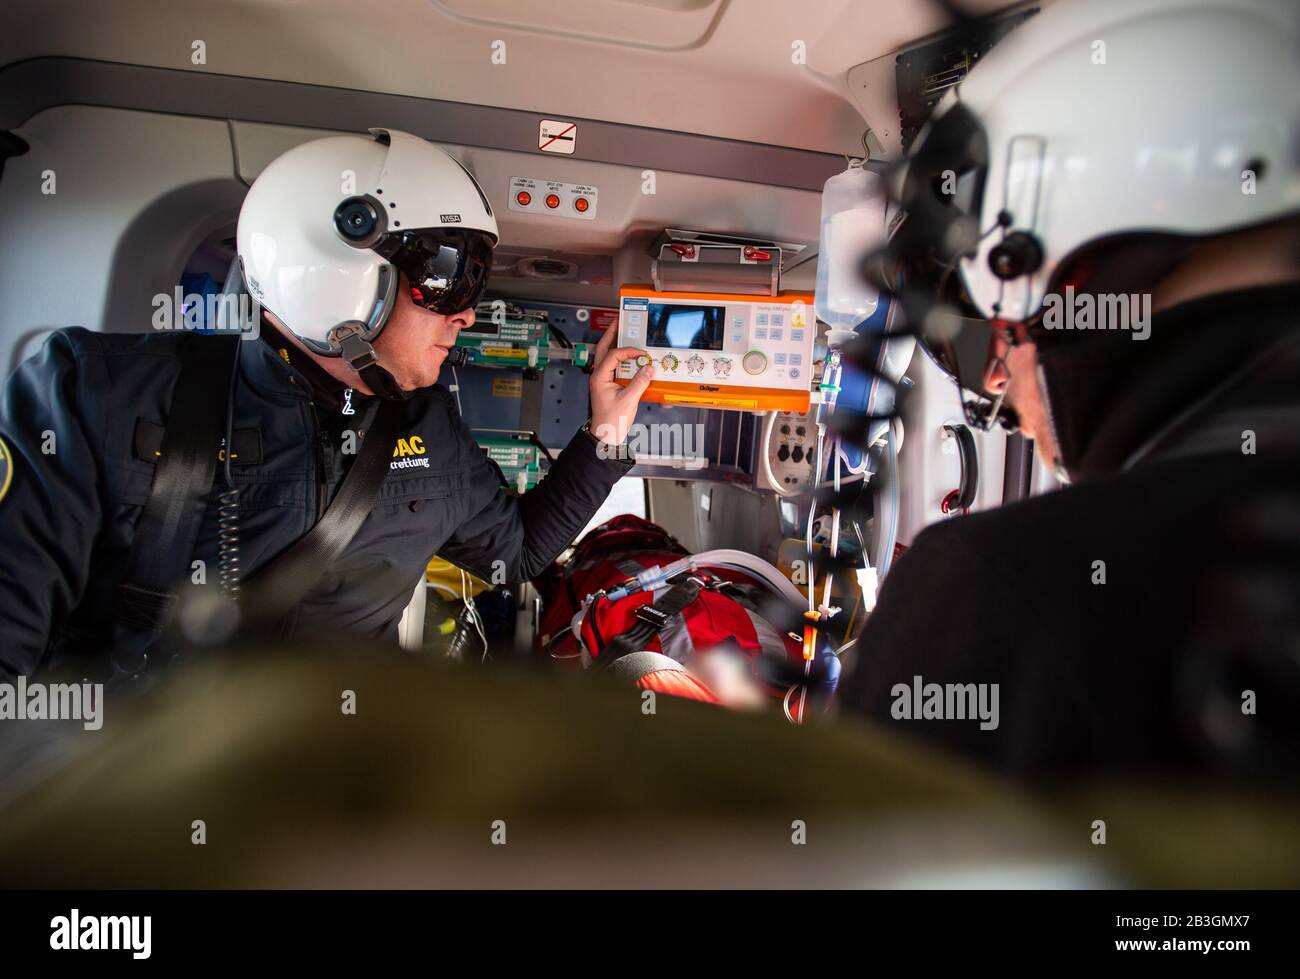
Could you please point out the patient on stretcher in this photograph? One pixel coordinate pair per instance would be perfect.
(720, 627)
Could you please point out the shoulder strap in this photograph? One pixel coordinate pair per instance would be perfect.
(650, 621)
(279, 586)
(168, 528)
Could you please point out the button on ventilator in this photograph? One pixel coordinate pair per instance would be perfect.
(755, 362)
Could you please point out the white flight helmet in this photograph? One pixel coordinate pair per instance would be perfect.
(1116, 117)
(1102, 121)
(328, 226)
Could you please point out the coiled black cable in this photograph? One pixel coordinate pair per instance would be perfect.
(228, 543)
(228, 510)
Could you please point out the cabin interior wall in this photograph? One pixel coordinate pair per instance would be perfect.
(93, 180)
(704, 515)
(929, 467)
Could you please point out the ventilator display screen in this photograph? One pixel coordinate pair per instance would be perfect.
(686, 327)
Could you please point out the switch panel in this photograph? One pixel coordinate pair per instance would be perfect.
(552, 197)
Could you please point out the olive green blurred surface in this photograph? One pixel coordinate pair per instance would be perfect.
(440, 765)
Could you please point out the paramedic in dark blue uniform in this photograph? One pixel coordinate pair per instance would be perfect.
(388, 269)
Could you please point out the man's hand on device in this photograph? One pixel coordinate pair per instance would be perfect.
(613, 405)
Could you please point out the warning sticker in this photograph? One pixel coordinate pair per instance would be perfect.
(554, 136)
(506, 353)
(603, 319)
(507, 387)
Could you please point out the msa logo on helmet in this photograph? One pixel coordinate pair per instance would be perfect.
(409, 454)
(449, 218)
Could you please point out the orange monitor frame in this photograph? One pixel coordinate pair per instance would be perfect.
(747, 352)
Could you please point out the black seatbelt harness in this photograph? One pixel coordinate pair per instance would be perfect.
(279, 586)
(169, 525)
(168, 529)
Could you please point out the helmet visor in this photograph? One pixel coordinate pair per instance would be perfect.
(446, 269)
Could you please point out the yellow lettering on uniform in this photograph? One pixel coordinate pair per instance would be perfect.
(413, 446)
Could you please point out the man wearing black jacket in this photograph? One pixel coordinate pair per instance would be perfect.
(1144, 617)
(354, 317)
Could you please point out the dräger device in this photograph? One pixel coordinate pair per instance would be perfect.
(750, 353)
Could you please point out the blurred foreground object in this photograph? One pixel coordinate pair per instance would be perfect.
(584, 788)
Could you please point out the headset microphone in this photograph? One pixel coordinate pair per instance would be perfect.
(1019, 253)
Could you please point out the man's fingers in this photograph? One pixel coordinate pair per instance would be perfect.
(605, 368)
(640, 381)
(603, 344)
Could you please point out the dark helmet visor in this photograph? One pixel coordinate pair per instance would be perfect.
(446, 269)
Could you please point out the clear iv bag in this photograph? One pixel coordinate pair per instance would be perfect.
(853, 226)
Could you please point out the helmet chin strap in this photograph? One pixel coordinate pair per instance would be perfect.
(361, 357)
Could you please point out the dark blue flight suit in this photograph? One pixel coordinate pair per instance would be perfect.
(80, 422)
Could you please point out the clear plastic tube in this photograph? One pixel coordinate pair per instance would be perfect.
(740, 561)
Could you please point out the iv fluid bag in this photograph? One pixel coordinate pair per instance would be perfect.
(853, 226)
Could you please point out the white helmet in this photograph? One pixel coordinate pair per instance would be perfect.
(1137, 123)
(1117, 117)
(327, 227)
